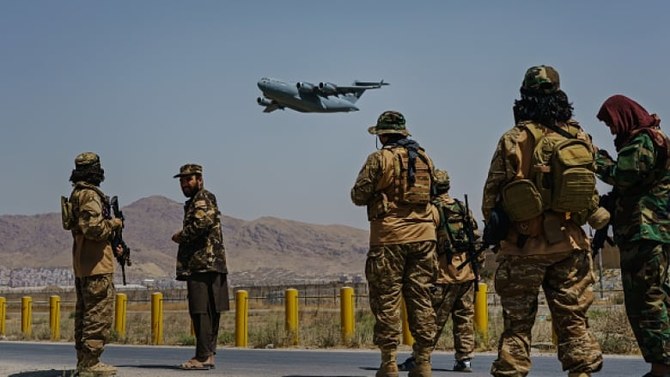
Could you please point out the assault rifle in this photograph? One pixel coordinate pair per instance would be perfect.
(495, 230)
(607, 201)
(473, 250)
(117, 239)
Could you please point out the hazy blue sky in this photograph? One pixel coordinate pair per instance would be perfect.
(150, 85)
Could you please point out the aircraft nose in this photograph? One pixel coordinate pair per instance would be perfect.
(262, 83)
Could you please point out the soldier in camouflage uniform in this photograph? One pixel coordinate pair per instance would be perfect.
(201, 262)
(550, 250)
(641, 181)
(453, 294)
(394, 184)
(93, 260)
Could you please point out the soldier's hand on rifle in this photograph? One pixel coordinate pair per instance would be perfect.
(118, 251)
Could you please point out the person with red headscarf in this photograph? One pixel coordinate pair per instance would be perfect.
(641, 184)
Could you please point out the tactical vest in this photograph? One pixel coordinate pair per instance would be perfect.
(404, 192)
(70, 207)
(562, 176)
(452, 226)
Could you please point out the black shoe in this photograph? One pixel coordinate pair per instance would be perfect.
(408, 365)
(462, 366)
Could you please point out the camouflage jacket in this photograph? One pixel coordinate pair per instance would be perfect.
(201, 246)
(452, 240)
(91, 250)
(642, 187)
(390, 222)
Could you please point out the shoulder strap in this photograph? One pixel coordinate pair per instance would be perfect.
(537, 132)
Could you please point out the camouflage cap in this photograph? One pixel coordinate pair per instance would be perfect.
(189, 169)
(86, 159)
(441, 181)
(541, 79)
(389, 122)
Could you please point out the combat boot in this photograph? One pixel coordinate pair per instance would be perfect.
(388, 367)
(96, 370)
(463, 366)
(423, 367)
(407, 365)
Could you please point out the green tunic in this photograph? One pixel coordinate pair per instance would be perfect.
(642, 185)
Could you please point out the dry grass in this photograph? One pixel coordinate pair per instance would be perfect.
(319, 327)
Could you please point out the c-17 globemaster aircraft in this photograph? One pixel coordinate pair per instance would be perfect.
(305, 97)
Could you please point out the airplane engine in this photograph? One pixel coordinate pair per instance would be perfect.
(328, 88)
(305, 87)
(263, 101)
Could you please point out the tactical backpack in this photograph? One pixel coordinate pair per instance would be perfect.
(419, 191)
(452, 222)
(562, 177)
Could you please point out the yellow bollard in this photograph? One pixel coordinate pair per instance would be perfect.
(291, 315)
(347, 310)
(241, 318)
(54, 317)
(27, 315)
(120, 314)
(482, 313)
(3, 316)
(407, 337)
(157, 318)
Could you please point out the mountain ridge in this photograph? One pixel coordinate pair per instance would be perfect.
(253, 247)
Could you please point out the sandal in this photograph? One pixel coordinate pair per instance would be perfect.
(209, 362)
(194, 364)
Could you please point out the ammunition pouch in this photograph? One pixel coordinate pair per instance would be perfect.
(67, 213)
(521, 200)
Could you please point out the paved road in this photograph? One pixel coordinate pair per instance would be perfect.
(22, 359)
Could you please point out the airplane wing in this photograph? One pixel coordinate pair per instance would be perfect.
(358, 87)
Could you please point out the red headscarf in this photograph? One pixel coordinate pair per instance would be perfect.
(625, 116)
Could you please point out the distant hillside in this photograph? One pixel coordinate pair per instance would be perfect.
(256, 249)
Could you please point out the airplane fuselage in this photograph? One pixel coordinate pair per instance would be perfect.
(286, 94)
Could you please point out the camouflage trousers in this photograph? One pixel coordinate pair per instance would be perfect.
(457, 301)
(408, 271)
(566, 280)
(644, 274)
(93, 316)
